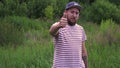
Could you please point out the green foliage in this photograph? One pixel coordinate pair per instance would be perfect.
(109, 33)
(49, 12)
(36, 7)
(83, 1)
(37, 49)
(23, 22)
(33, 8)
(107, 25)
(13, 29)
(60, 7)
(21, 10)
(94, 10)
(28, 56)
(10, 34)
(102, 10)
(10, 7)
(103, 56)
(85, 13)
(36, 52)
(2, 10)
(117, 2)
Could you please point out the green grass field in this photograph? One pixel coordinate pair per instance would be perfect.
(37, 50)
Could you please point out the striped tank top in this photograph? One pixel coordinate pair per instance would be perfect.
(68, 47)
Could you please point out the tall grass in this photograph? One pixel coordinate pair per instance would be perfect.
(37, 50)
(28, 56)
(103, 44)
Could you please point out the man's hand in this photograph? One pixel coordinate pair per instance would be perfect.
(61, 24)
(63, 20)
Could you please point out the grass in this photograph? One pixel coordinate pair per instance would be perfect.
(37, 50)
(27, 57)
(104, 56)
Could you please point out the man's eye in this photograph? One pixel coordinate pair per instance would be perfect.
(77, 12)
(72, 11)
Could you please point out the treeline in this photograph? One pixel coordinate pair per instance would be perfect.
(93, 10)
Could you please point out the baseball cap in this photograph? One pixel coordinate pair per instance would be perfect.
(73, 4)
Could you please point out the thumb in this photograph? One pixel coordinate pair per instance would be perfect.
(64, 15)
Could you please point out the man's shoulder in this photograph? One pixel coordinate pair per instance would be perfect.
(79, 26)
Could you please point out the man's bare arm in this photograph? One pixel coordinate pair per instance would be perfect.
(84, 55)
(54, 29)
(61, 24)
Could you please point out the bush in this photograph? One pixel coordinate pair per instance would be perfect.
(23, 22)
(49, 12)
(117, 2)
(10, 7)
(109, 33)
(10, 34)
(36, 7)
(15, 29)
(2, 10)
(21, 10)
(33, 8)
(102, 10)
(60, 7)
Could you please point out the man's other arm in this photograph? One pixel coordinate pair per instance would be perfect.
(84, 54)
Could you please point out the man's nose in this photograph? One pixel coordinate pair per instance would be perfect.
(74, 14)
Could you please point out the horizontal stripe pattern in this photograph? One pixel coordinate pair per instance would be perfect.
(68, 47)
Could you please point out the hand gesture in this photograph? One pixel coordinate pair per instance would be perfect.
(63, 20)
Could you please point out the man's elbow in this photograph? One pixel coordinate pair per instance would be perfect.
(84, 54)
(51, 33)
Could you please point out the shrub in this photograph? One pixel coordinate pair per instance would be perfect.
(23, 22)
(60, 7)
(15, 29)
(21, 10)
(2, 10)
(36, 7)
(109, 33)
(10, 34)
(10, 7)
(20, 22)
(49, 12)
(102, 10)
(117, 2)
(85, 13)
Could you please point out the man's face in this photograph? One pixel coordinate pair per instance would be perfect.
(72, 16)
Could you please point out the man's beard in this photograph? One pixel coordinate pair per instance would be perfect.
(71, 23)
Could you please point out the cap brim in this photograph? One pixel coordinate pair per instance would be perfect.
(78, 7)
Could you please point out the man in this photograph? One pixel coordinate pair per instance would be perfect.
(69, 40)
